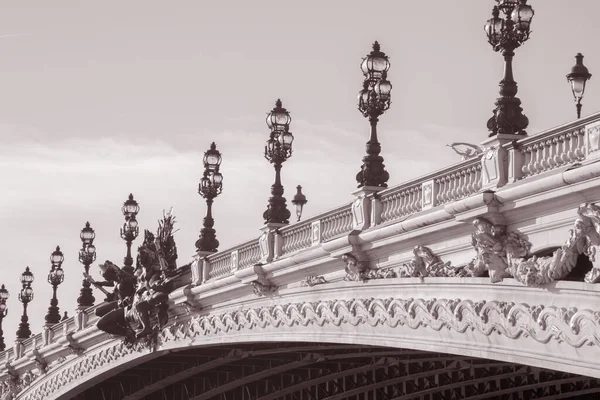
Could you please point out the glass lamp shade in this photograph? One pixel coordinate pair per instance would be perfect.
(204, 183)
(56, 258)
(271, 146)
(3, 309)
(383, 88)
(212, 157)
(578, 87)
(578, 77)
(87, 234)
(494, 27)
(27, 276)
(522, 16)
(216, 179)
(91, 250)
(131, 224)
(375, 64)
(130, 206)
(26, 294)
(4, 295)
(363, 98)
(56, 276)
(299, 201)
(286, 139)
(279, 118)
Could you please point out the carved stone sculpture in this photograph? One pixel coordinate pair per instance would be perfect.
(360, 270)
(426, 263)
(507, 254)
(144, 311)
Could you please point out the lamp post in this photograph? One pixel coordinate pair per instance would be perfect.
(55, 278)
(506, 35)
(25, 296)
(4, 295)
(87, 255)
(210, 186)
(130, 230)
(299, 201)
(373, 100)
(578, 77)
(277, 151)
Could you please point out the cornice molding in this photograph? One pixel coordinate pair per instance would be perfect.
(566, 326)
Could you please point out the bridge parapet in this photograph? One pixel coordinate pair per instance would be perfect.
(418, 239)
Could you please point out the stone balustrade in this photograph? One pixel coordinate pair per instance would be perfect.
(576, 142)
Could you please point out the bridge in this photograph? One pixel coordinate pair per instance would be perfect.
(476, 281)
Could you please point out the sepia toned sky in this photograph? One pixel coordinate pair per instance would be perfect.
(100, 99)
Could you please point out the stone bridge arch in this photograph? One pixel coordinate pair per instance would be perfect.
(443, 317)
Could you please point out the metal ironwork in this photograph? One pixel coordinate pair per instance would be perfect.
(578, 77)
(299, 201)
(130, 230)
(505, 35)
(87, 255)
(277, 150)
(4, 295)
(55, 278)
(373, 100)
(210, 186)
(268, 371)
(25, 297)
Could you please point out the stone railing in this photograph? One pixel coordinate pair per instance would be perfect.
(560, 146)
(450, 184)
(249, 254)
(527, 157)
(220, 264)
(546, 152)
(336, 223)
(295, 237)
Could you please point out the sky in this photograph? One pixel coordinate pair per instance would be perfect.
(100, 99)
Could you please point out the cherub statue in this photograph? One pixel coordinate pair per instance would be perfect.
(470, 151)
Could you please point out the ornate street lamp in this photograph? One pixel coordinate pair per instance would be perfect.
(299, 201)
(210, 187)
(25, 296)
(87, 255)
(4, 295)
(55, 278)
(130, 230)
(578, 77)
(277, 151)
(373, 100)
(506, 35)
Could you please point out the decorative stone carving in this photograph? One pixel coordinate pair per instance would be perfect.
(40, 362)
(506, 254)
(72, 345)
(263, 288)
(493, 244)
(313, 280)
(142, 312)
(466, 150)
(569, 326)
(426, 263)
(360, 270)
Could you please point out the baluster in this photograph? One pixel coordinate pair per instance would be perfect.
(580, 144)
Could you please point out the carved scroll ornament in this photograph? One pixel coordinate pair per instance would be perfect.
(507, 254)
(571, 326)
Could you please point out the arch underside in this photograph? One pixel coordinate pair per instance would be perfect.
(293, 370)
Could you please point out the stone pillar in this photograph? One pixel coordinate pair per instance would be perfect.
(362, 206)
(496, 166)
(592, 141)
(267, 242)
